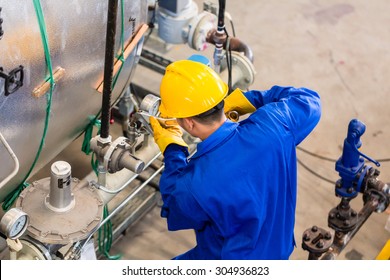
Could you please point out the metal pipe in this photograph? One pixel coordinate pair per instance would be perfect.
(213, 37)
(148, 153)
(100, 187)
(15, 159)
(75, 250)
(239, 46)
(108, 67)
(341, 240)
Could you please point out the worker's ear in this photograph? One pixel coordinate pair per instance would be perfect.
(188, 124)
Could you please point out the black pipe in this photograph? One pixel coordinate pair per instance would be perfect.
(341, 239)
(108, 67)
(221, 15)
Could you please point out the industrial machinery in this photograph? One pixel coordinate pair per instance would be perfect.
(355, 177)
(66, 67)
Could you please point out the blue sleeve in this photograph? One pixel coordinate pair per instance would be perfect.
(180, 207)
(298, 109)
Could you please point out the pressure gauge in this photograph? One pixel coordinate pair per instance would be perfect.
(14, 223)
(150, 104)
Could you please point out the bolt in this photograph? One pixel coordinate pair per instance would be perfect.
(320, 244)
(331, 215)
(347, 223)
(353, 213)
(306, 237)
(328, 236)
(350, 190)
(314, 229)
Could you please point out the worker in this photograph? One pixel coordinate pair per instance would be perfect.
(238, 191)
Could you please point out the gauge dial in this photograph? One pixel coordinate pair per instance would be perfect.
(14, 223)
(150, 104)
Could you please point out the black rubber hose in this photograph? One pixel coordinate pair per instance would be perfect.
(108, 67)
(221, 15)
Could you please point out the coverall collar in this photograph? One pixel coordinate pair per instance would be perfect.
(218, 136)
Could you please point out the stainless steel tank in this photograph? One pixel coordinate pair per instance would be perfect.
(76, 32)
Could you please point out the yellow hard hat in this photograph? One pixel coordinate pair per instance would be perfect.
(190, 88)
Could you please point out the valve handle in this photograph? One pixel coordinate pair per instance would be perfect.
(366, 157)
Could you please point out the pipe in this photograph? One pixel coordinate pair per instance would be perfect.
(219, 36)
(221, 15)
(239, 46)
(118, 181)
(108, 67)
(236, 44)
(124, 185)
(15, 159)
(76, 250)
(341, 240)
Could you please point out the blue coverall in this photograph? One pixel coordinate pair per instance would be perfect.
(238, 191)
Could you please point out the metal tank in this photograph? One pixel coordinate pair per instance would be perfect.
(76, 33)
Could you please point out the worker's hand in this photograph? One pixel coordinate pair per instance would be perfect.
(236, 104)
(166, 121)
(170, 134)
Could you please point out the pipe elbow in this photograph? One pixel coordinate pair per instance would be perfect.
(239, 46)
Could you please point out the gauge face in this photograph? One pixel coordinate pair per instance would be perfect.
(14, 223)
(150, 104)
(154, 108)
(18, 227)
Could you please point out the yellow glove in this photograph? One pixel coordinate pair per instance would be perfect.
(236, 104)
(167, 135)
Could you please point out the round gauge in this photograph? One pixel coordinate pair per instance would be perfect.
(150, 104)
(14, 223)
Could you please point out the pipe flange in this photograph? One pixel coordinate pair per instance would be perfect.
(316, 240)
(383, 200)
(243, 70)
(32, 250)
(342, 220)
(198, 29)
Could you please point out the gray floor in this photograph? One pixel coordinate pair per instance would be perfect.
(341, 49)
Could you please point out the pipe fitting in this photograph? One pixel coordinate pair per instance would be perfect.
(116, 155)
(219, 38)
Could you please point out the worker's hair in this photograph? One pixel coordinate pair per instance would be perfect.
(212, 115)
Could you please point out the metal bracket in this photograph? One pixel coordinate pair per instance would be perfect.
(13, 80)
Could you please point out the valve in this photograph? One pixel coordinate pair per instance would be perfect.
(350, 165)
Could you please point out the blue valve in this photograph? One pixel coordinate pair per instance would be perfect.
(350, 165)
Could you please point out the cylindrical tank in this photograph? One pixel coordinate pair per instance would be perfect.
(76, 32)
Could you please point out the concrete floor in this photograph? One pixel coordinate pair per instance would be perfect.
(341, 50)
